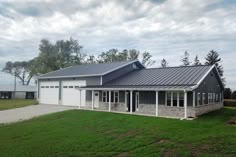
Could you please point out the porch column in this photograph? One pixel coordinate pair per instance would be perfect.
(222, 98)
(185, 104)
(131, 102)
(109, 101)
(92, 99)
(156, 103)
(79, 98)
(194, 97)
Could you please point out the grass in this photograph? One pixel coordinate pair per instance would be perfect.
(6, 104)
(87, 133)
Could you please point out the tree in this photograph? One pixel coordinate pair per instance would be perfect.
(91, 59)
(56, 56)
(125, 55)
(185, 59)
(196, 61)
(213, 58)
(20, 70)
(227, 93)
(234, 95)
(164, 63)
(146, 59)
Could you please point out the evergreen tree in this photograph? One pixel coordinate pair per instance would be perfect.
(185, 59)
(213, 58)
(164, 63)
(196, 61)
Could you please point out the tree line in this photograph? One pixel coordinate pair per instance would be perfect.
(65, 53)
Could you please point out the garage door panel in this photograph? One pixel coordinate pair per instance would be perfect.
(49, 92)
(71, 95)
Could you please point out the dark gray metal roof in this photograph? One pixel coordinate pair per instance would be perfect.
(165, 77)
(88, 69)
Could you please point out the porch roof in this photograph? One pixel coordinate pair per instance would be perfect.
(144, 88)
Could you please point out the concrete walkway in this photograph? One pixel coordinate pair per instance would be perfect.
(28, 112)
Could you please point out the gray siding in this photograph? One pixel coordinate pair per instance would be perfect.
(211, 84)
(190, 98)
(90, 81)
(149, 97)
(120, 72)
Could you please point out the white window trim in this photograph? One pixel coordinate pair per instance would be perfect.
(105, 95)
(171, 103)
(118, 96)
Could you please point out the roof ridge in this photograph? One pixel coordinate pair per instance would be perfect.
(178, 67)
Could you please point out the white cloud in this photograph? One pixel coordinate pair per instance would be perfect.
(164, 28)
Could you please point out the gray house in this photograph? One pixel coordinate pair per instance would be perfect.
(21, 92)
(178, 92)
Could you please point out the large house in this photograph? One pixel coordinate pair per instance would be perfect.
(180, 92)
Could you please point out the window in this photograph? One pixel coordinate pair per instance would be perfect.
(47, 86)
(168, 102)
(214, 98)
(51, 86)
(116, 96)
(203, 98)
(42, 86)
(220, 98)
(209, 98)
(70, 86)
(175, 100)
(56, 86)
(64, 86)
(104, 96)
(198, 99)
(181, 99)
(217, 97)
(76, 86)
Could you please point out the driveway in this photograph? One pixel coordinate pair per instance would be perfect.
(24, 113)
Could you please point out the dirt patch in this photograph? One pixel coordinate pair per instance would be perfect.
(170, 153)
(123, 154)
(232, 121)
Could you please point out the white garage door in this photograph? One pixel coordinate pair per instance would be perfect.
(49, 92)
(71, 93)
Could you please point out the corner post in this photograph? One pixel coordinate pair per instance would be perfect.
(131, 101)
(79, 98)
(157, 103)
(194, 97)
(109, 101)
(92, 99)
(185, 104)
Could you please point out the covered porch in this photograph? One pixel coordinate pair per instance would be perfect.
(146, 101)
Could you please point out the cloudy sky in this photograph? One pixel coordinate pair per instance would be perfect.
(165, 28)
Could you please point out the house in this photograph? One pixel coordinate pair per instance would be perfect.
(21, 92)
(178, 92)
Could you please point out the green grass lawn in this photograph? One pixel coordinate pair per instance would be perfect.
(87, 133)
(6, 104)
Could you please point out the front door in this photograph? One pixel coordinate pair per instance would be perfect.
(96, 99)
(133, 101)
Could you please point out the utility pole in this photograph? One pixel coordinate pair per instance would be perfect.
(15, 90)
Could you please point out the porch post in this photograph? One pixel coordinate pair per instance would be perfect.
(79, 98)
(109, 101)
(131, 101)
(185, 104)
(222, 98)
(194, 97)
(92, 99)
(156, 103)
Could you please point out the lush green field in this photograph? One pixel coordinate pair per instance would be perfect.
(10, 103)
(87, 133)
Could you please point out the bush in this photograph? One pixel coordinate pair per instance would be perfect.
(230, 102)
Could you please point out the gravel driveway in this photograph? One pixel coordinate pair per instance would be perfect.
(24, 113)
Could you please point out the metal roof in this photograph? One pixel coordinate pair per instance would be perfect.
(184, 76)
(19, 88)
(88, 69)
(144, 88)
